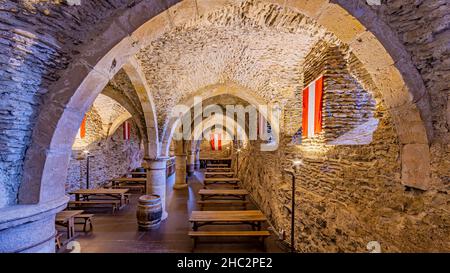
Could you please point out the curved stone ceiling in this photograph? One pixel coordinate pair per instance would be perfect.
(257, 45)
(109, 110)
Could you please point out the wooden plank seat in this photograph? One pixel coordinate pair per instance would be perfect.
(223, 203)
(223, 194)
(260, 234)
(66, 219)
(211, 174)
(140, 188)
(87, 219)
(223, 169)
(217, 166)
(92, 194)
(253, 218)
(221, 180)
(115, 204)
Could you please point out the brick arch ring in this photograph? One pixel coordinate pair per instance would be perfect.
(352, 21)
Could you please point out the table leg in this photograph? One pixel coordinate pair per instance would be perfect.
(122, 200)
(71, 228)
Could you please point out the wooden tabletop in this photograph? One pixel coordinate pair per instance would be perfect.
(100, 191)
(228, 216)
(221, 179)
(130, 179)
(216, 169)
(219, 173)
(139, 173)
(65, 215)
(222, 192)
(211, 158)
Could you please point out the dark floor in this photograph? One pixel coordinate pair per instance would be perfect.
(118, 233)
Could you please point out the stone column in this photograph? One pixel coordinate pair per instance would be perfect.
(197, 159)
(180, 171)
(30, 228)
(156, 180)
(190, 168)
(180, 166)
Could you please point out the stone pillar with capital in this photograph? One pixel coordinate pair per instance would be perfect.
(190, 168)
(197, 159)
(156, 180)
(180, 165)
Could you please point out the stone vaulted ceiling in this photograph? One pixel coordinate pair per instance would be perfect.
(259, 46)
(108, 109)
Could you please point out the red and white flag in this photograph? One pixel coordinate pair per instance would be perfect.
(312, 108)
(82, 131)
(216, 142)
(126, 130)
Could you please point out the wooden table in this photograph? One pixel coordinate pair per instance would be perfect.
(66, 218)
(115, 193)
(224, 169)
(206, 162)
(221, 180)
(223, 194)
(215, 174)
(238, 217)
(129, 180)
(217, 166)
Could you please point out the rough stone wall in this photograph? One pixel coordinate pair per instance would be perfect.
(347, 196)
(243, 44)
(424, 28)
(346, 104)
(113, 157)
(38, 40)
(94, 129)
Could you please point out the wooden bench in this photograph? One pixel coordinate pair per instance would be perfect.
(218, 169)
(260, 234)
(223, 202)
(87, 219)
(217, 166)
(221, 180)
(140, 188)
(212, 174)
(115, 204)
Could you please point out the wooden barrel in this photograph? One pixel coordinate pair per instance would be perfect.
(149, 212)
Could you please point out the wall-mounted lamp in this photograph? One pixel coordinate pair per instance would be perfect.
(296, 163)
(88, 156)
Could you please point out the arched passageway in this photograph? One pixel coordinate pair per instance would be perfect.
(172, 52)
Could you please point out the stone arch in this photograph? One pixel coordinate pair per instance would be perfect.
(372, 41)
(209, 92)
(206, 124)
(117, 122)
(139, 82)
(129, 107)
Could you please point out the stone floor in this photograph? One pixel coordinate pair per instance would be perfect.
(118, 233)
